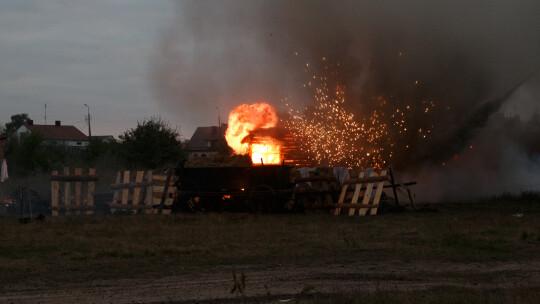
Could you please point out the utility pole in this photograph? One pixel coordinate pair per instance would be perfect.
(89, 129)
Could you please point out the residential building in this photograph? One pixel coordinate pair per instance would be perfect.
(56, 134)
(205, 141)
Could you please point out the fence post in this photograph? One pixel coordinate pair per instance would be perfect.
(149, 192)
(55, 187)
(78, 194)
(67, 191)
(91, 192)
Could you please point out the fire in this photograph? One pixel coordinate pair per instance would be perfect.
(247, 118)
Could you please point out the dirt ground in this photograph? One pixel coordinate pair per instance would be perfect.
(281, 283)
(483, 252)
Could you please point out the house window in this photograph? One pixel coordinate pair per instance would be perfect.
(79, 143)
(209, 143)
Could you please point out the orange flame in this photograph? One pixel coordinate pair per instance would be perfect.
(246, 118)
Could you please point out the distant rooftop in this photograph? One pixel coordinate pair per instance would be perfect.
(57, 132)
(204, 135)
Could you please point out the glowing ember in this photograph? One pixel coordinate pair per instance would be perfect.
(247, 118)
(330, 134)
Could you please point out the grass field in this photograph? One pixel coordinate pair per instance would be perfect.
(499, 237)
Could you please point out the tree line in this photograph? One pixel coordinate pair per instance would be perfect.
(152, 144)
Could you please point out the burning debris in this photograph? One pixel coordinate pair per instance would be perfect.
(248, 133)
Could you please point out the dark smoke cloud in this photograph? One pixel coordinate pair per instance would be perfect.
(467, 56)
(504, 157)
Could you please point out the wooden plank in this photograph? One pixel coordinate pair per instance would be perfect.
(116, 192)
(149, 190)
(125, 192)
(377, 197)
(72, 207)
(129, 197)
(410, 198)
(166, 208)
(137, 191)
(91, 192)
(397, 186)
(168, 195)
(337, 211)
(393, 183)
(75, 178)
(357, 205)
(160, 177)
(367, 195)
(78, 191)
(131, 207)
(67, 190)
(166, 188)
(357, 189)
(131, 185)
(369, 179)
(161, 189)
(55, 188)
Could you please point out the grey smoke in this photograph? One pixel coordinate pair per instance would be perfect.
(466, 56)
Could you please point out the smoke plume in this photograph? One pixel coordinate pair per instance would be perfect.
(468, 58)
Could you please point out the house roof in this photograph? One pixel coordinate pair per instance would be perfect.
(201, 136)
(50, 132)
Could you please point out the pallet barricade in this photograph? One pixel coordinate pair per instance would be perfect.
(367, 184)
(164, 192)
(316, 188)
(62, 199)
(150, 193)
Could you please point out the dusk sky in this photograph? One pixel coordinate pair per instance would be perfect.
(69, 53)
(180, 60)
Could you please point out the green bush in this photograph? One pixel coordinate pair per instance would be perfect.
(152, 144)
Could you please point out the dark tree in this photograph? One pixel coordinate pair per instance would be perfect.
(28, 154)
(17, 121)
(152, 144)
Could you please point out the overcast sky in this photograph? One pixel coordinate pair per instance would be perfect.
(69, 53)
(104, 53)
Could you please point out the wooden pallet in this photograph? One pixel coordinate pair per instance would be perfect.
(150, 193)
(317, 190)
(370, 202)
(73, 203)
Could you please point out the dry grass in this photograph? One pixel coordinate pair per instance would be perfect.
(88, 248)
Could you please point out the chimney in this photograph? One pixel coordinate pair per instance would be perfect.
(30, 122)
(57, 123)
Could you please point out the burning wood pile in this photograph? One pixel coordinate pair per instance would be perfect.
(252, 131)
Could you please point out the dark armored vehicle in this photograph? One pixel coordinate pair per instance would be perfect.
(265, 188)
